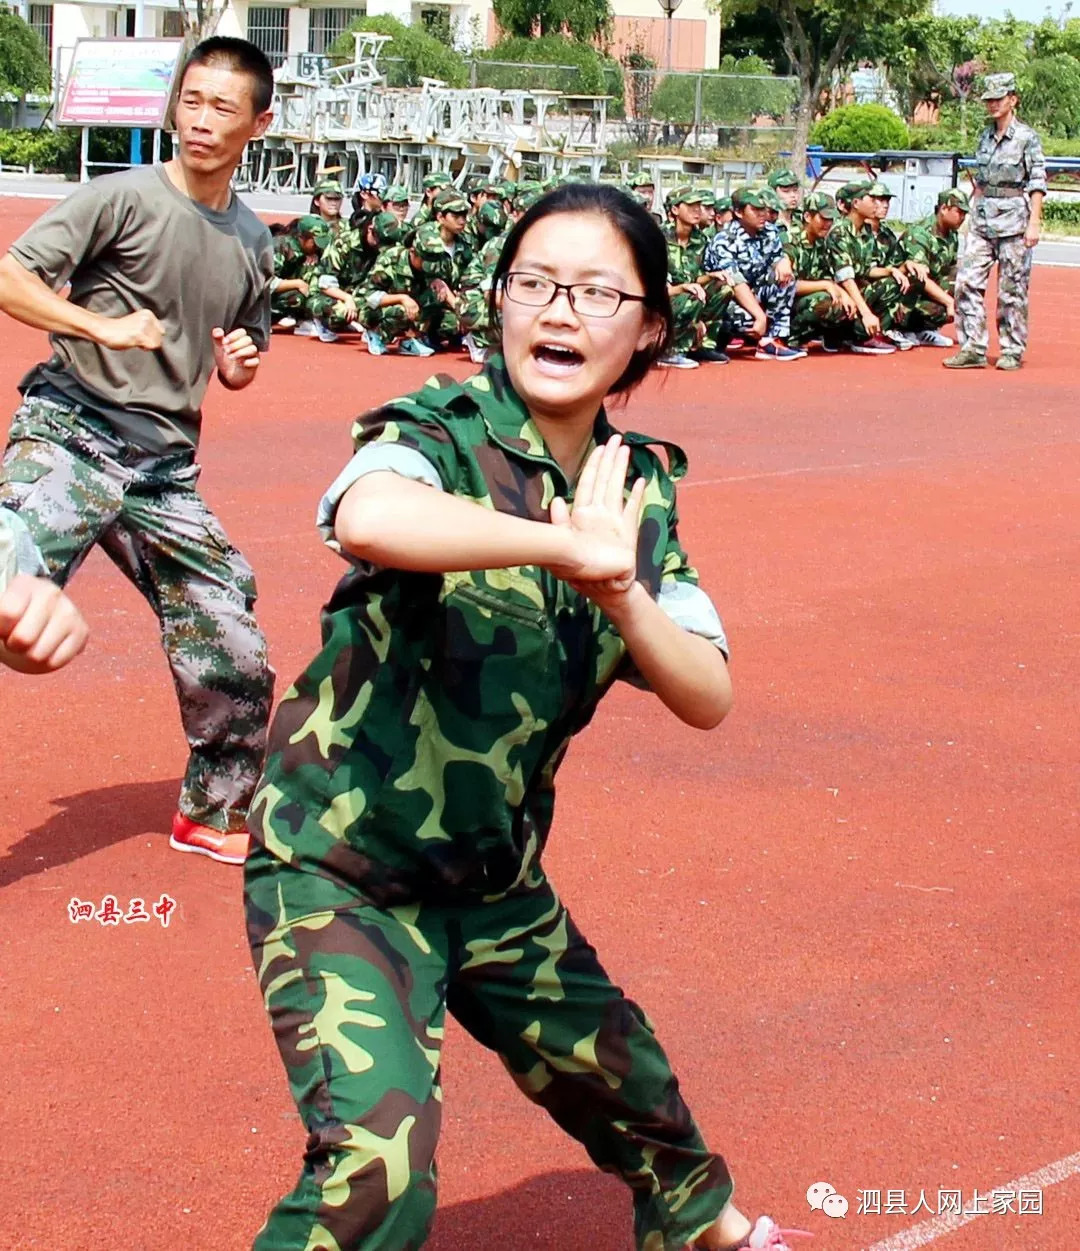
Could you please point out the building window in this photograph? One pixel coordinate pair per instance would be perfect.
(268, 29)
(327, 24)
(40, 22)
(172, 24)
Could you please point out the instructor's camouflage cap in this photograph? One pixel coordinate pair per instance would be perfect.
(954, 197)
(437, 179)
(998, 86)
(783, 178)
(429, 242)
(685, 195)
(329, 186)
(312, 224)
(397, 194)
(876, 190)
(387, 228)
(752, 197)
(450, 201)
(819, 202)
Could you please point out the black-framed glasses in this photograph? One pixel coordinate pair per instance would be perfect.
(585, 297)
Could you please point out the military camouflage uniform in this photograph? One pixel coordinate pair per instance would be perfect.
(396, 868)
(854, 254)
(76, 484)
(392, 274)
(751, 259)
(1007, 170)
(474, 289)
(923, 243)
(686, 263)
(289, 262)
(815, 314)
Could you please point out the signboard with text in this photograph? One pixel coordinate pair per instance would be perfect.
(120, 82)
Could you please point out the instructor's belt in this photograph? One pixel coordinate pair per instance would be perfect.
(1003, 193)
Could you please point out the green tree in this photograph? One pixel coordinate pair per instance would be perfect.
(587, 20)
(816, 39)
(413, 53)
(1050, 87)
(593, 73)
(24, 64)
(861, 128)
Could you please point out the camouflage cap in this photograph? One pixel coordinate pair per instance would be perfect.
(772, 200)
(387, 228)
(317, 227)
(998, 86)
(526, 197)
(783, 178)
(642, 179)
(752, 197)
(491, 214)
(723, 204)
(436, 179)
(329, 186)
(954, 197)
(876, 190)
(397, 194)
(708, 198)
(450, 200)
(850, 192)
(685, 195)
(429, 242)
(506, 189)
(819, 202)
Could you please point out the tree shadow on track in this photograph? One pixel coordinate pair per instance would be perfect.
(90, 821)
(583, 1210)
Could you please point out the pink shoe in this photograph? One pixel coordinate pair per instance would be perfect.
(768, 1236)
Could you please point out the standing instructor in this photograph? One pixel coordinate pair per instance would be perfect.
(1006, 220)
(168, 276)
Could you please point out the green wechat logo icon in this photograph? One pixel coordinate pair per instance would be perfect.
(822, 1197)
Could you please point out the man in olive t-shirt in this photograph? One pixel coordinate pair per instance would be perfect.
(169, 282)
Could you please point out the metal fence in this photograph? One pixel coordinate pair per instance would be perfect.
(702, 110)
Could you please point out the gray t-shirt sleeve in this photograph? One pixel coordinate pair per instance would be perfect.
(71, 232)
(254, 317)
(371, 458)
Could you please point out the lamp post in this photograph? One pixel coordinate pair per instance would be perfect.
(669, 7)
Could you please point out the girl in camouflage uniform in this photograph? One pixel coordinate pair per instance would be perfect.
(409, 787)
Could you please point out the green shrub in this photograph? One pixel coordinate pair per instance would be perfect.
(1061, 213)
(413, 53)
(860, 128)
(48, 151)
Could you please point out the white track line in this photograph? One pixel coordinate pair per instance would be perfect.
(929, 1231)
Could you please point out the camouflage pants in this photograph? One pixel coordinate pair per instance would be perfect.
(76, 484)
(920, 312)
(357, 997)
(776, 302)
(325, 309)
(473, 316)
(815, 315)
(1013, 259)
(287, 304)
(436, 322)
(885, 299)
(690, 312)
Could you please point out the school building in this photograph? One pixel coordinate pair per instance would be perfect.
(285, 30)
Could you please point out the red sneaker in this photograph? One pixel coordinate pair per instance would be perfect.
(188, 835)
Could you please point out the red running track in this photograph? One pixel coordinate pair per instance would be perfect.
(851, 911)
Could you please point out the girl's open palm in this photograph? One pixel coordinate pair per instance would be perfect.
(604, 526)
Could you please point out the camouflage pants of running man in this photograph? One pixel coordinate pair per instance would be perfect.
(977, 258)
(816, 315)
(357, 997)
(75, 484)
(776, 302)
